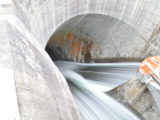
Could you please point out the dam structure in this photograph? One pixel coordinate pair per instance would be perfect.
(77, 59)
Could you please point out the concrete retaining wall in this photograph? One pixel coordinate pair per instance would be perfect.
(41, 90)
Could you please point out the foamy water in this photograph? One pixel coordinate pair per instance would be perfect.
(88, 82)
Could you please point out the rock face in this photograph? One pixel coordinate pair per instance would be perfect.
(131, 28)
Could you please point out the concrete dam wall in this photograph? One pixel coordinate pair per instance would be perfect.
(72, 30)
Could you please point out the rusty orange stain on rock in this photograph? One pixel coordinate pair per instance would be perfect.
(75, 45)
(72, 36)
(62, 42)
(67, 36)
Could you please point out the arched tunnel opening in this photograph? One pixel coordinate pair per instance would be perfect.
(103, 62)
(96, 38)
(106, 53)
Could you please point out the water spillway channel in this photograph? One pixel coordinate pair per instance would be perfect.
(90, 81)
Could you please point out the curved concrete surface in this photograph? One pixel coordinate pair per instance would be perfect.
(42, 18)
(26, 27)
(96, 37)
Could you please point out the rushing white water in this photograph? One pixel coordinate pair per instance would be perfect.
(86, 81)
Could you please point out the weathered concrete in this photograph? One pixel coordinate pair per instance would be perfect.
(41, 89)
(135, 95)
(42, 18)
(102, 35)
